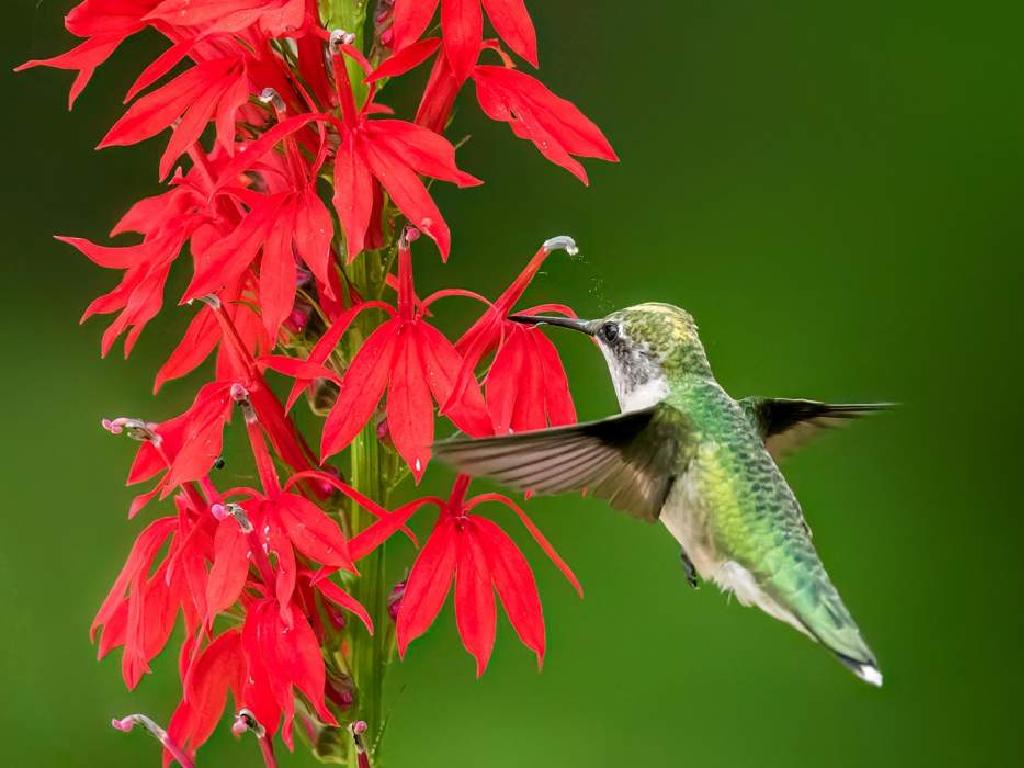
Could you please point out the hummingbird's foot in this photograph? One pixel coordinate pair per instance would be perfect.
(691, 572)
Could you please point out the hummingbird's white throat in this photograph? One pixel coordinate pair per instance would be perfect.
(637, 375)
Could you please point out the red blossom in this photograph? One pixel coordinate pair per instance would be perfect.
(526, 384)
(213, 89)
(274, 17)
(106, 24)
(554, 125)
(462, 27)
(417, 366)
(390, 153)
(480, 558)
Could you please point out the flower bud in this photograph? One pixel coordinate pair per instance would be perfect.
(341, 690)
(384, 433)
(395, 599)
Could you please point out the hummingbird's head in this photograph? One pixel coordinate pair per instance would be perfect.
(644, 346)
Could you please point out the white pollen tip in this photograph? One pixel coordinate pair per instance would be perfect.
(563, 242)
(869, 674)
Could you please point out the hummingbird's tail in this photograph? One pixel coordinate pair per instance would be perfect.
(832, 625)
(867, 671)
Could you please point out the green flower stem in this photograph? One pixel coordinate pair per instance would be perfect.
(349, 15)
(370, 656)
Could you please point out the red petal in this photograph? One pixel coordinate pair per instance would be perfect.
(504, 379)
(313, 233)
(462, 24)
(203, 435)
(428, 584)
(224, 262)
(369, 539)
(361, 389)
(407, 58)
(275, 17)
(353, 194)
(199, 341)
(157, 110)
(529, 410)
(475, 611)
(512, 22)
(340, 597)
(218, 669)
(297, 369)
(312, 532)
(230, 568)
(438, 96)
(411, 19)
(84, 57)
(409, 194)
(277, 271)
(557, 397)
(515, 584)
(535, 532)
(284, 583)
(421, 149)
(409, 408)
(442, 364)
(163, 64)
(139, 561)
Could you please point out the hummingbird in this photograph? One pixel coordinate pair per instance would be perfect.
(684, 453)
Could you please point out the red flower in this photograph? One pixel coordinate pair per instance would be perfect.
(274, 17)
(526, 384)
(203, 335)
(391, 153)
(290, 221)
(214, 88)
(106, 24)
(166, 222)
(555, 126)
(462, 26)
(417, 366)
(219, 668)
(481, 559)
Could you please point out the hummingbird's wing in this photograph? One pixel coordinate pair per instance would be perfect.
(786, 425)
(630, 459)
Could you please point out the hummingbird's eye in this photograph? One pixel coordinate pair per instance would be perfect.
(609, 332)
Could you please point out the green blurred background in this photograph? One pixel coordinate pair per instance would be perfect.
(833, 189)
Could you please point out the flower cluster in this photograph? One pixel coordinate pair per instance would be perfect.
(294, 195)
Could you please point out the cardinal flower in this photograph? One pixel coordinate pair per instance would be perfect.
(215, 88)
(481, 559)
(417, 366)
(390, 153)
(166, 222)
(526, 384)
(291, 221)
(106, 24)
(274, 17)
(554, 125)
(462, 27)
(140, 610)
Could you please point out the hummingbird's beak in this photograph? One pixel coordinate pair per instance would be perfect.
(584, 326)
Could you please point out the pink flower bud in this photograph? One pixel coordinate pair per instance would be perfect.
(395, 599)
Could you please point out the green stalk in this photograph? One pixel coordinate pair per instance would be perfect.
(370, 656)
(349, 15)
